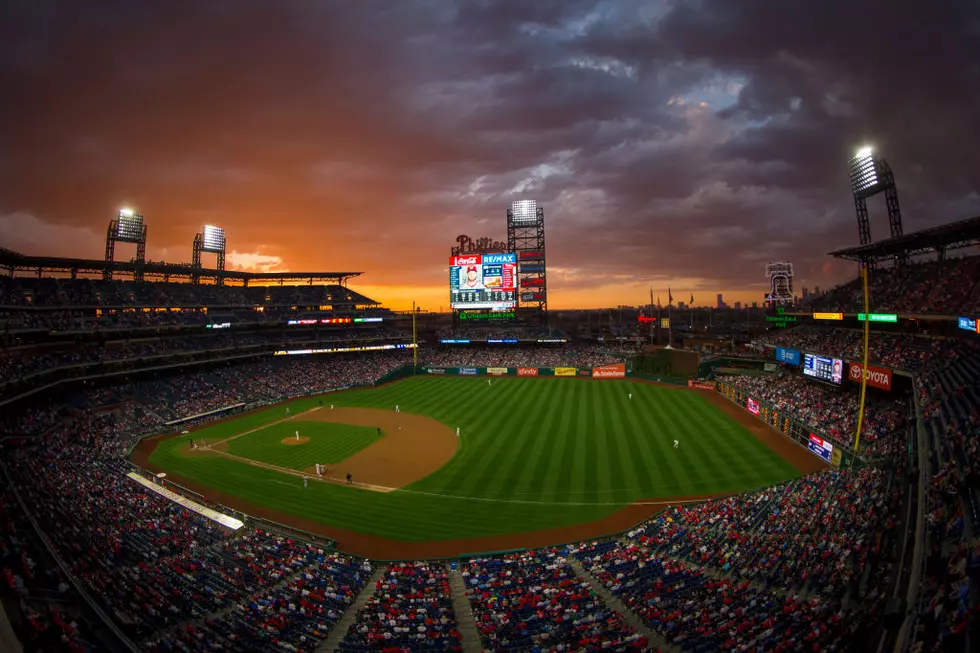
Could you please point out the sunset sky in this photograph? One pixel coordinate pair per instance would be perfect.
(680, 143)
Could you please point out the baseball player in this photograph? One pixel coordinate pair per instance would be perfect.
(306, 481)
(396, 409)
(457, 431)
(631, 395)
(676, 443)
(297, 436)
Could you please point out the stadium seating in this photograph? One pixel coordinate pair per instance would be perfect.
(525, 601)
(411, 608)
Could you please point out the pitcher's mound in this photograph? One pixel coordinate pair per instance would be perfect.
(294, 441)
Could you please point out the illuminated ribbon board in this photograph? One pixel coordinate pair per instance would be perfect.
(879, 317)
(828, 316)
(341, 350)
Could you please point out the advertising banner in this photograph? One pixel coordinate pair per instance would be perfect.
(585, 371)
(617, 371)
(497, 371)
(820, 447)
(435, 370)
(752, 406)
(704, 385)
(527, 371)
(769, 367)
(788, 356)
(566, 371)
(878, 377)
(969, 324)
(835, 457)
(467, 371)
(828, 316)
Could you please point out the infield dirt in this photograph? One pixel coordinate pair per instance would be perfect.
(396, 460)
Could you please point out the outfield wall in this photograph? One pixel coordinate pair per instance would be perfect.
(613, 371)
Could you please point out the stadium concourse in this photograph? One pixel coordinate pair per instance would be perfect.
(810, 564)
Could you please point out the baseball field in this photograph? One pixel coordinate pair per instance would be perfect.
(537, 461)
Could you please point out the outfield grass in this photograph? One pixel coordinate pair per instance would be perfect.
(328, 443)
(535, 453)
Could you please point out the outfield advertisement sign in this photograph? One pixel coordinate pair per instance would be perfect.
(566, 371)
(467, 371)
(788, 356)
(821, 447)
(435, 370)
(704, 385)
(617, 371)
(752, 406)
(878, 377)
(527, 371)
(497, 371)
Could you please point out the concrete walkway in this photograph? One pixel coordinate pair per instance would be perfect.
(332, 643)
(656, 639)
(465, 620)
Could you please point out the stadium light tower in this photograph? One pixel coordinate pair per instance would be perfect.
(209, 239)
(870, 176)
(126, 227)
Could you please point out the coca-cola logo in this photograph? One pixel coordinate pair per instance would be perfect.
(467, 244)
(466, 260)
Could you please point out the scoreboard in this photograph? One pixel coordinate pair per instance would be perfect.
(823, 368)
(483, 281)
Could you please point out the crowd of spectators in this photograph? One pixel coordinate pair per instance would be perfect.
(534, 600)
(53, 292)
(901, 351)
(949, 399)
(769, 571)
(411, 609)
(570, 354)
(829, 410)
(950, 287)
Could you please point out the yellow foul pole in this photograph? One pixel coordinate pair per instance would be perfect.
(415, 343)
(864, 364)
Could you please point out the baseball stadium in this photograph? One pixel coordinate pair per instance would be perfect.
(200, 458)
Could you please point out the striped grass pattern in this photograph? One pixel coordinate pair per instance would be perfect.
(534, 454)
(328, 443)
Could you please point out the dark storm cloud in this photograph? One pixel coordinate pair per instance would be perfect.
(692, 140)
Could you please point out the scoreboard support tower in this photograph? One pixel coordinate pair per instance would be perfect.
(525, 237)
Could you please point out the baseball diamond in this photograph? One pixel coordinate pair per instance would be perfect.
(539, 461)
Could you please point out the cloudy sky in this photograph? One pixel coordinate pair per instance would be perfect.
(671, 142)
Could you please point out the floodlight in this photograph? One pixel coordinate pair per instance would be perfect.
(524, 211)
(129, 226)
(213, 238)
(863, 171)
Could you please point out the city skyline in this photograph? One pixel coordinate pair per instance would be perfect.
(679, 145)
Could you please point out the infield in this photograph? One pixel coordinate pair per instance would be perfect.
(540, 461)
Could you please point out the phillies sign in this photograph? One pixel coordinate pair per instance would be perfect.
(467, 244)
(878, 377)
(752, 406)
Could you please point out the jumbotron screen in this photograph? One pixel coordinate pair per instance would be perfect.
(483, 281)
(823, 368)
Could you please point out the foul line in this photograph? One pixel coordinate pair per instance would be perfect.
(264, 426)
(301, 474)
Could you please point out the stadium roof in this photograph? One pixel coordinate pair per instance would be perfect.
(954, 235)
(12, 262)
